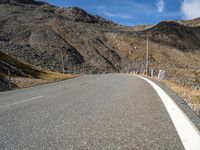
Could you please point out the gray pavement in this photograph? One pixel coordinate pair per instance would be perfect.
(113, 111)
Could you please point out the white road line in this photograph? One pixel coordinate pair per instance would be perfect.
(24, 101)
(188, 133)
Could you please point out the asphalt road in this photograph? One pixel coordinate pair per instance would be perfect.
(89, 112)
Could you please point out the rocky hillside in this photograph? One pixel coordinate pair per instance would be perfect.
(41, 34)
(190, 23)
(23, 74)
(174, 34)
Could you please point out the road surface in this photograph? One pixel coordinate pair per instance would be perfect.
(88, 112)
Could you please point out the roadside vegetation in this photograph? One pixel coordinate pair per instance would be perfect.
(190, 95)
(25, 75)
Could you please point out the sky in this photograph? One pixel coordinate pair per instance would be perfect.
(136, 12)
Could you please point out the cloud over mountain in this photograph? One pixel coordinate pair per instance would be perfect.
(160, 5)
(190, 9)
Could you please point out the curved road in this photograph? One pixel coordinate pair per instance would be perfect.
(89, 112)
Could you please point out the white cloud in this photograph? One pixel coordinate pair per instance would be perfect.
(160, 4)
(104, 11)
(117, 15)
(190, 9)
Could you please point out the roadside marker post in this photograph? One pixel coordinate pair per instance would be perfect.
(63, 67)
(9, 79)
(161, 74)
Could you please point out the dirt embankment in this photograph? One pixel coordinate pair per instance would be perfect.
(25, 75)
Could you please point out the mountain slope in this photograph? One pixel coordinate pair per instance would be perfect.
(175, 34)
(23, 74)
(190, 23)
(40, 34)
(79, 15)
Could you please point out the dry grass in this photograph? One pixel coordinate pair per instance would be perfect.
(190, 95)
(23, 82)
(48, 75)
(34, 75)
(33, 71)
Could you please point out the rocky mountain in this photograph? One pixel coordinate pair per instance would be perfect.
(25, 75)
(191, 23)
(42, 35)
(78, 15)
(19, 2)
(175, 34)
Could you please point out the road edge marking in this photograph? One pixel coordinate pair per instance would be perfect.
(24, 101)
(187, 131)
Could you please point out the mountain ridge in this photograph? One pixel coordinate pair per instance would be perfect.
(16, 2)
(40, 34)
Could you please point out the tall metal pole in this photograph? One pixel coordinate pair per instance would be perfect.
(147, 57)
(63, 67)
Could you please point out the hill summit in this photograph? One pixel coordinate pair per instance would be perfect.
(79, 15)
(15, 2)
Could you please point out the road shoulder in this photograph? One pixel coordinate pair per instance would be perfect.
(181, 103)
(184, 126)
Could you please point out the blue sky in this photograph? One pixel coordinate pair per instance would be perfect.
(135, 12)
